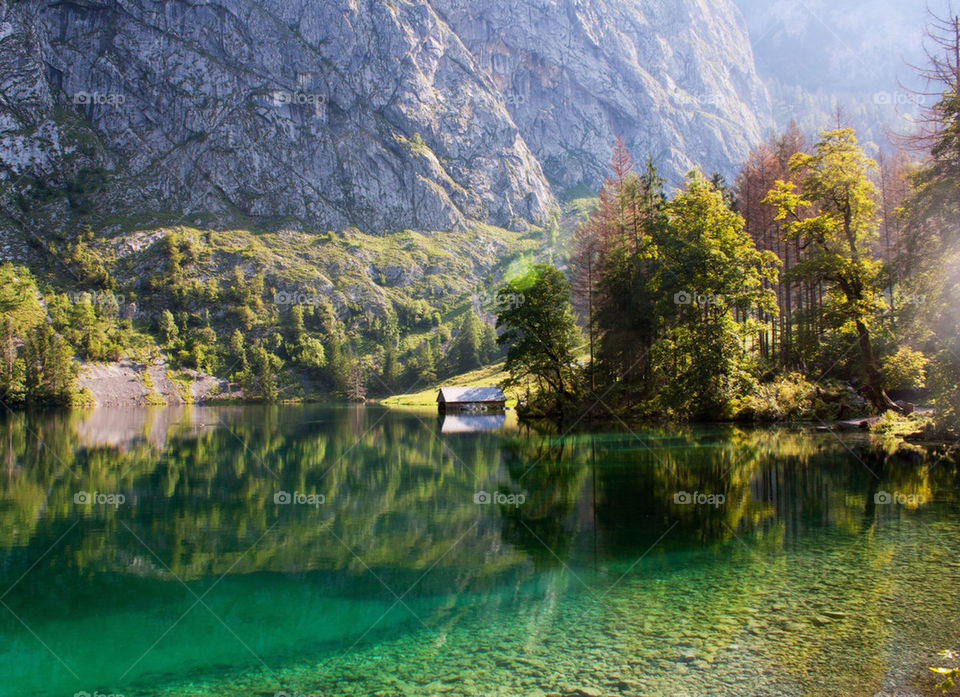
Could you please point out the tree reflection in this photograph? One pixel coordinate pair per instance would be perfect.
(200, 486)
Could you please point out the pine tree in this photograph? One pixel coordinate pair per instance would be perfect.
(390, 370)
(11, 364)
(357, 385)
(49, 372)
(930, 244)
(238, 354)
(488, 344)
(168, 328)
(465, 350)
(259, 379)
(296, 327)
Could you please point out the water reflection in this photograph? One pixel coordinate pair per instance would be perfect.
(471, 423)
(386, 479)
(301, 512)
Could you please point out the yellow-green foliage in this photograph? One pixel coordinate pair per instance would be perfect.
(905, 369)
(893, 424)
(791, 398)
(19, 298)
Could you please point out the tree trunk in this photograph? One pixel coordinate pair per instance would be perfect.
(878, 396)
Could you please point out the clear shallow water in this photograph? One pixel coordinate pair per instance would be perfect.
(789, 578)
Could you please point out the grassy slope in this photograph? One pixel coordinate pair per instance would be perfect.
(488, 376)
(359, 274)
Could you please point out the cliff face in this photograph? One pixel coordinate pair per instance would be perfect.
(383, 115)
(675, 78)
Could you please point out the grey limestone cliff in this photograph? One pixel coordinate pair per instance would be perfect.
(376, 114)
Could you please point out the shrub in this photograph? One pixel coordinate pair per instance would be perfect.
(904, 370)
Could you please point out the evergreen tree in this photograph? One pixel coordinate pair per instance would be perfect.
(338, 366)
(930, 246)
(488, 344)
(49, 372)
(259, 379)
(357, 384)
(421, 369)
(168, 328)
(465, 350)
(390, 370)
(11, 364)
(238, 353)
(296, 327)
(541, 335)
(618, 273)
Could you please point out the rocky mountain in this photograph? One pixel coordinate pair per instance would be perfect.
(379, 114)
(675, 78)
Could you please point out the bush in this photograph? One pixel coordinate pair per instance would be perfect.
(792, 397)
(905, 369)
(945, 385)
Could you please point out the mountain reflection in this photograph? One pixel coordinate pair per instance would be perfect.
(200, 487)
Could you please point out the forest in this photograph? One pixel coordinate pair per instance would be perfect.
(820, 284)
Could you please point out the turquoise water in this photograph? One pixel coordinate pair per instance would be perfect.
(342, 551)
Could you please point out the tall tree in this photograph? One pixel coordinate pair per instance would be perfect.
(357, 386)
(584, 264)
(259, 380)
(49, 372)
(616, 272)
(465, 350)
(541, 334)
(767, 163)
(168, 328)
(701, 360)
(930, 245)
(834, 217)
(11, 364)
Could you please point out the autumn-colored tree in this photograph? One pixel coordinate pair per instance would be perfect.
(767, 163)
(616, 271)
(833, 214)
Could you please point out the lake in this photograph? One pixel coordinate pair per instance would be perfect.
(316, 550)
